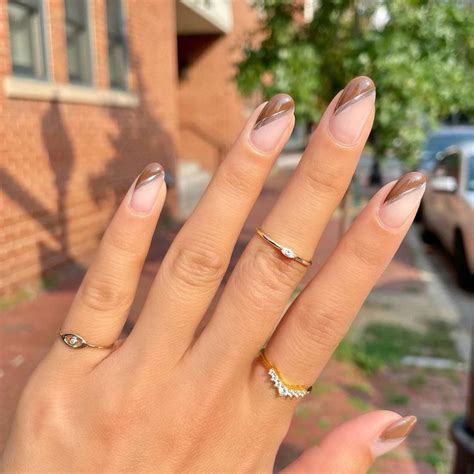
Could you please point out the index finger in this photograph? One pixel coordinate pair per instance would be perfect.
(198, 258)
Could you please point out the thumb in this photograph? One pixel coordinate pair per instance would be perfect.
(352, 447)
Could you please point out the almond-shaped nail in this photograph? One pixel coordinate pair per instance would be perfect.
(393, 435)
(403, 199)
(352, 110)
(147, 187)
(272, 122)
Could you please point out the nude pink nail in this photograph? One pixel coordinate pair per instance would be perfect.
(403, 199)
(272, 122)
(393, 435)
(147, 187)
(352, 110)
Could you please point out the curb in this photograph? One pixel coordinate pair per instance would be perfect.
(438, 293)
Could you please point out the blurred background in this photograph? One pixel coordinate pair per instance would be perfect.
(93, 90)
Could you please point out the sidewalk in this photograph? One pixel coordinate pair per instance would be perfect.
(344, 390)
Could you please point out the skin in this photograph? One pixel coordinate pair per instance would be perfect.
(172, 398)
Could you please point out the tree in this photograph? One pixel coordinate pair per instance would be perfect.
(420, 53)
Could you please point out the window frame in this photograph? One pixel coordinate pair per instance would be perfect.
(43, 44)
(89, 25)
(445, 165)
(124, 35)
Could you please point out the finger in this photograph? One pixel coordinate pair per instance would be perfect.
(352, 447)
(263, 279)
(321, 315)
(198, 258)
(103, 300)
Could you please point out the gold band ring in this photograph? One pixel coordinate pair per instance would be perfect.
(284, 389)
(285, 251)
(74, 341)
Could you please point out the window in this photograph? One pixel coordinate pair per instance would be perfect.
(25, 19)
(117, 45)
(78, 42)
(448, 166)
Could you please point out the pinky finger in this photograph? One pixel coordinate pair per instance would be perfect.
(352, 447)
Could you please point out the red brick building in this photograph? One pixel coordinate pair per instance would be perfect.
(90, 92)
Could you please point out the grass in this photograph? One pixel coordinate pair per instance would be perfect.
(302, 411)
(324, 423)
(385, 344)
(320, 388)
(360, 389)
(360, 404)
(416, 381)
(26, 293)
(433, 425)
(394, 398)
(437, 455)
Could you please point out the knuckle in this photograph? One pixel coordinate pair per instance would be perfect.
(102, 293)
(266, 277)
(197, 264)
(122, 241)
(322, 325)
(237, 177)
(324, 180)
(366, 256)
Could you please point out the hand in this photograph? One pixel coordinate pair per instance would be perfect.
(174, 399)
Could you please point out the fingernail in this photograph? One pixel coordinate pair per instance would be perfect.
(403, 198)
(147, 187)
(393, 435)
(272, 122)
(352, 110)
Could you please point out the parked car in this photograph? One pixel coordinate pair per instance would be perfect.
(448, 208)
(438, 141)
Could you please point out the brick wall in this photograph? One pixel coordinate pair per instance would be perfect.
(211, 110)
(65, 166)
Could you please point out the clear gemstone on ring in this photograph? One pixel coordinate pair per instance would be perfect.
(288, 252)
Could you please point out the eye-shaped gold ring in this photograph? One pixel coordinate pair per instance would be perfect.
(74, 341)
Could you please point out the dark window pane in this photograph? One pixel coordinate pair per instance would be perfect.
(27, 38)
(118, 64)
(78, 43)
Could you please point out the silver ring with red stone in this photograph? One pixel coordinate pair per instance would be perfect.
(285, 251)
(74, 341)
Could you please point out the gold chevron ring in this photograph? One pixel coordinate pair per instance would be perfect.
(285, 251)
(284, 389)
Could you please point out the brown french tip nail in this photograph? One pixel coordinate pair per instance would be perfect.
(355, 90)
(406, 184)
(399, 429)
(277, 106)
(151, 172)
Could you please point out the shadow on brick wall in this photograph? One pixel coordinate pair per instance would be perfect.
(60, 155)
(139, 139)
(60, 152)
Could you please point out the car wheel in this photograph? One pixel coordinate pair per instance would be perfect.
(427, 235)
(464, 276)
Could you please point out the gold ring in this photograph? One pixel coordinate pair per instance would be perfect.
(283, 388)
(285, 251)
(74, 341)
